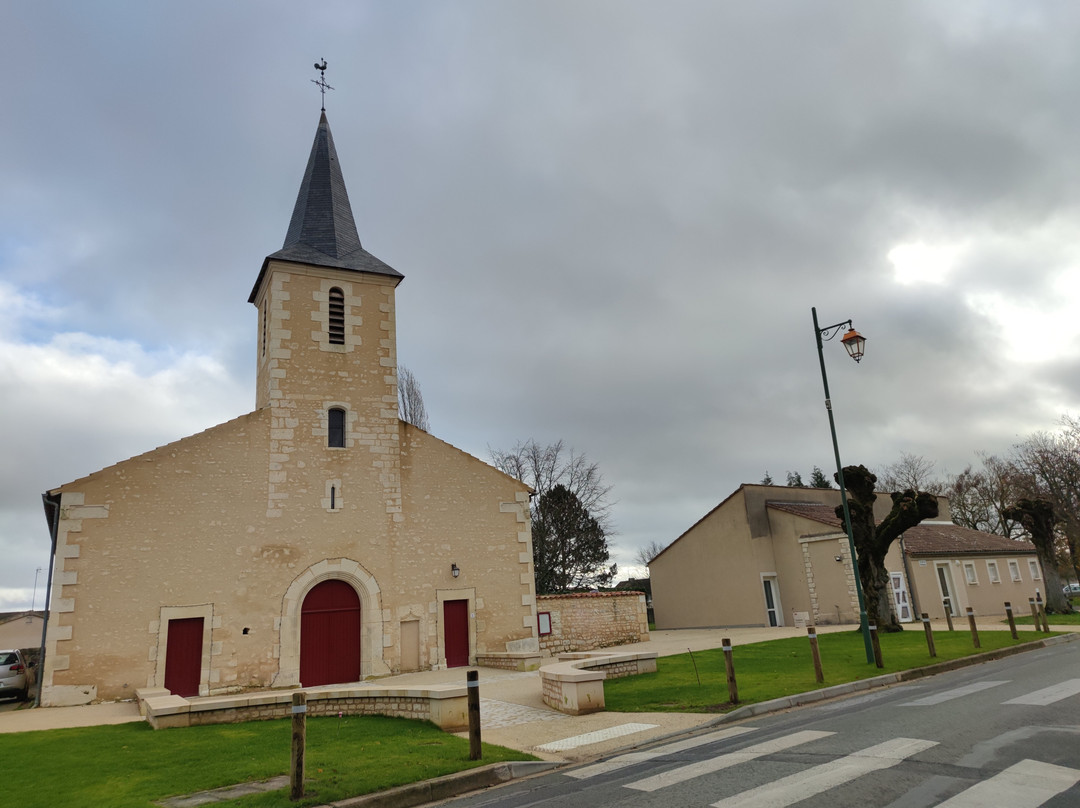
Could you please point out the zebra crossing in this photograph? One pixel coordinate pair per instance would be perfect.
(1024, 784)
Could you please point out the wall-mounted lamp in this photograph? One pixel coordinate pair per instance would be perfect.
(455, 570)
(838, 558)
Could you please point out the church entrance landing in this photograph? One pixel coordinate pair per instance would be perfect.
(330, 635)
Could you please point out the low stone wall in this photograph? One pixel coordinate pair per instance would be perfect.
(510, 660)
(585, 621)
(444, 705)
(575, 684)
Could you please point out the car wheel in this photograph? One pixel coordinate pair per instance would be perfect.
(24, 696)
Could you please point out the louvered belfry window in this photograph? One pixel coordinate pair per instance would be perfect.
(337, 317)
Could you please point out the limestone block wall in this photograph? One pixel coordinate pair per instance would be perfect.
(584, 621)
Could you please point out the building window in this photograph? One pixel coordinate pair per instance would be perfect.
(1014, 571)
(1033, 568)
(543, 623)
(969, 573)
(992, 572)
(335, 428)
(336, 323)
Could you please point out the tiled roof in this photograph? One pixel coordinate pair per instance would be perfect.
(817, 511)
(945, 538)
(926, 538)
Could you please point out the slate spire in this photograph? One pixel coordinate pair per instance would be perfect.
(322, 231)
(322, 218)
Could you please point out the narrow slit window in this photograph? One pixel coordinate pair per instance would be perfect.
(333, 497)
(264, 313)
(336, 324)
(335, 424)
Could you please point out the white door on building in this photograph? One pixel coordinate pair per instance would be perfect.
(900, 598)
(773, 611)
(945, 582)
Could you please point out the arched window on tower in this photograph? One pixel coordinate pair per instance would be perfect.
(335, 423)
(336, 323)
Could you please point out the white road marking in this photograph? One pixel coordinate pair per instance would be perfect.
(1048, 695)
(595, 737)
(796, 787)
(1027, 784)
(629, 759)
(955, 693)
(725, 761)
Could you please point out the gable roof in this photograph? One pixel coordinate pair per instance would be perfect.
(322, 231)
(926, 538)
(945, 538)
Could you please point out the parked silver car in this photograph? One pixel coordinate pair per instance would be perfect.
(14, 678)
(1071, 590)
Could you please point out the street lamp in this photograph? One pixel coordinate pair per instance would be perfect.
(853, 343)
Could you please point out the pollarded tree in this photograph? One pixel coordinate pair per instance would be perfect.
(569, 545)
(1039, 520)
(872, 541)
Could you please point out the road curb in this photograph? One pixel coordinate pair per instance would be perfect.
(450, 785)
(800, 699)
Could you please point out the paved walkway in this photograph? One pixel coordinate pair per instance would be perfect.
(512, 712)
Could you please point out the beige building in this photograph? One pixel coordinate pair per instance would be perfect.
(768, 555)
(21, 629)
(317, 539)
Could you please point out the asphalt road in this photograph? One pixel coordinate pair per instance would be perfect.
(1004, 733)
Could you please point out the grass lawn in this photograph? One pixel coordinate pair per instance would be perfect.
(134, 765)
(1053, 619)
(769, 670)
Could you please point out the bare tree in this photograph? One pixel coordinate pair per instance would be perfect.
(912, 472)
(1050, 465)
(1038, 518)
(648, 553)
(543, 467)
(979, 498)
(571, 514)
(410, 400)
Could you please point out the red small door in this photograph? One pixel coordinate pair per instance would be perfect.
(330, 635)
(183, 656)
(456, 632)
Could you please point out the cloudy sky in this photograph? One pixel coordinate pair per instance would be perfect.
(613, 218)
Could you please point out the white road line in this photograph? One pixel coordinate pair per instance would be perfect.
(629, 759)
(796, 787)
(595, 737)
(1048, 695)
(670, 778)
(1026, 784)
(955, 693)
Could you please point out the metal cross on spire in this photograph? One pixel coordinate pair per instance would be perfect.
(321, 82)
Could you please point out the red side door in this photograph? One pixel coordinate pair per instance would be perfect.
(330, 635)
(183, 656)
(456, 632)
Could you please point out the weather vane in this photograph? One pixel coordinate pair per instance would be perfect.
(321, 82)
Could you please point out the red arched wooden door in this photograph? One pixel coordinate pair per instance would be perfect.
(330, 635)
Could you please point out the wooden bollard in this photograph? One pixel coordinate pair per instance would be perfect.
(1042, 610)
(1012, 621)
(729, 663)
(929, 634)
(877, 647)
(299, 742)
(1034, 613)
(972, 626)
(947, 603)
(472, 685)
(811, 632)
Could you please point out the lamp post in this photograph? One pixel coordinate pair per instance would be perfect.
(854, 343)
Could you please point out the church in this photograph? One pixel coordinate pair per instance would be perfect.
(318, 539)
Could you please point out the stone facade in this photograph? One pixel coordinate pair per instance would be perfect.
(584, 621)
(237, 524)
